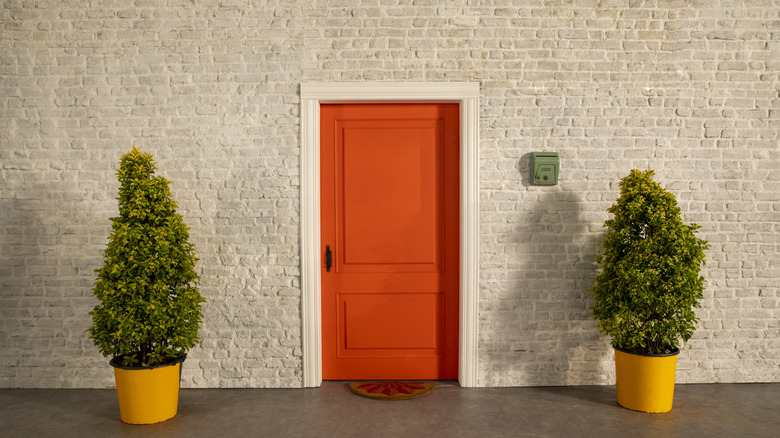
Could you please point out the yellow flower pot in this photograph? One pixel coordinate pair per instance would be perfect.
(645, 382)
(148, 394)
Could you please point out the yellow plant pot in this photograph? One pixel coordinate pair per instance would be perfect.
(645, 382)
(148, 394)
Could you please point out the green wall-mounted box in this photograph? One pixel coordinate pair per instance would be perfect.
(544, 168)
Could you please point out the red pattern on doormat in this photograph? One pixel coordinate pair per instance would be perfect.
(392, 390)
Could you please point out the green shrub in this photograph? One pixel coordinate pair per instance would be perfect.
(649, 285)
(149, 311)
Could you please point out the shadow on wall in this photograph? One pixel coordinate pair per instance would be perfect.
(24, 278)
(556, 253)
(46, 271)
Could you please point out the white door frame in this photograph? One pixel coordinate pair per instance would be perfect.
(466, 94)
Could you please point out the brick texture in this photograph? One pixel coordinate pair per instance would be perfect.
(210, 87)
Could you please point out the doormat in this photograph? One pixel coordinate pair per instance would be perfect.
(392, 390)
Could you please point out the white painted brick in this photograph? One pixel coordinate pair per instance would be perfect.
(686, 87)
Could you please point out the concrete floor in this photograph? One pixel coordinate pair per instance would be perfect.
(718, 410)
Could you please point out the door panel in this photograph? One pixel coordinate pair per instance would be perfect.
(371, 321)
(389, 203)
(389, 183)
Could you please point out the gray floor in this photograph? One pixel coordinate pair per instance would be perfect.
(720, 410)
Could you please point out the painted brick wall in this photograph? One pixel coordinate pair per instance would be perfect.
(210, 87)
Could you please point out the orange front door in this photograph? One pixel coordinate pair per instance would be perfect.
(389, 200)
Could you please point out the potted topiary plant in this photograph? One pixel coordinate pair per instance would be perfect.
(149, 311)
(647, 290)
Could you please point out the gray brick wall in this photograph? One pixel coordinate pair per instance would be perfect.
(210, 87)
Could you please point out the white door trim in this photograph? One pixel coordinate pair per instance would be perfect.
(466, 94)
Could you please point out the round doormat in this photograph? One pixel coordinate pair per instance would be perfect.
(392, 390)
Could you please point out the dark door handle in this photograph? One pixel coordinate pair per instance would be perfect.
(328, 258)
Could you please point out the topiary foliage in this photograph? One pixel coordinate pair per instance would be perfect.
(149, 311)
(649, 285)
